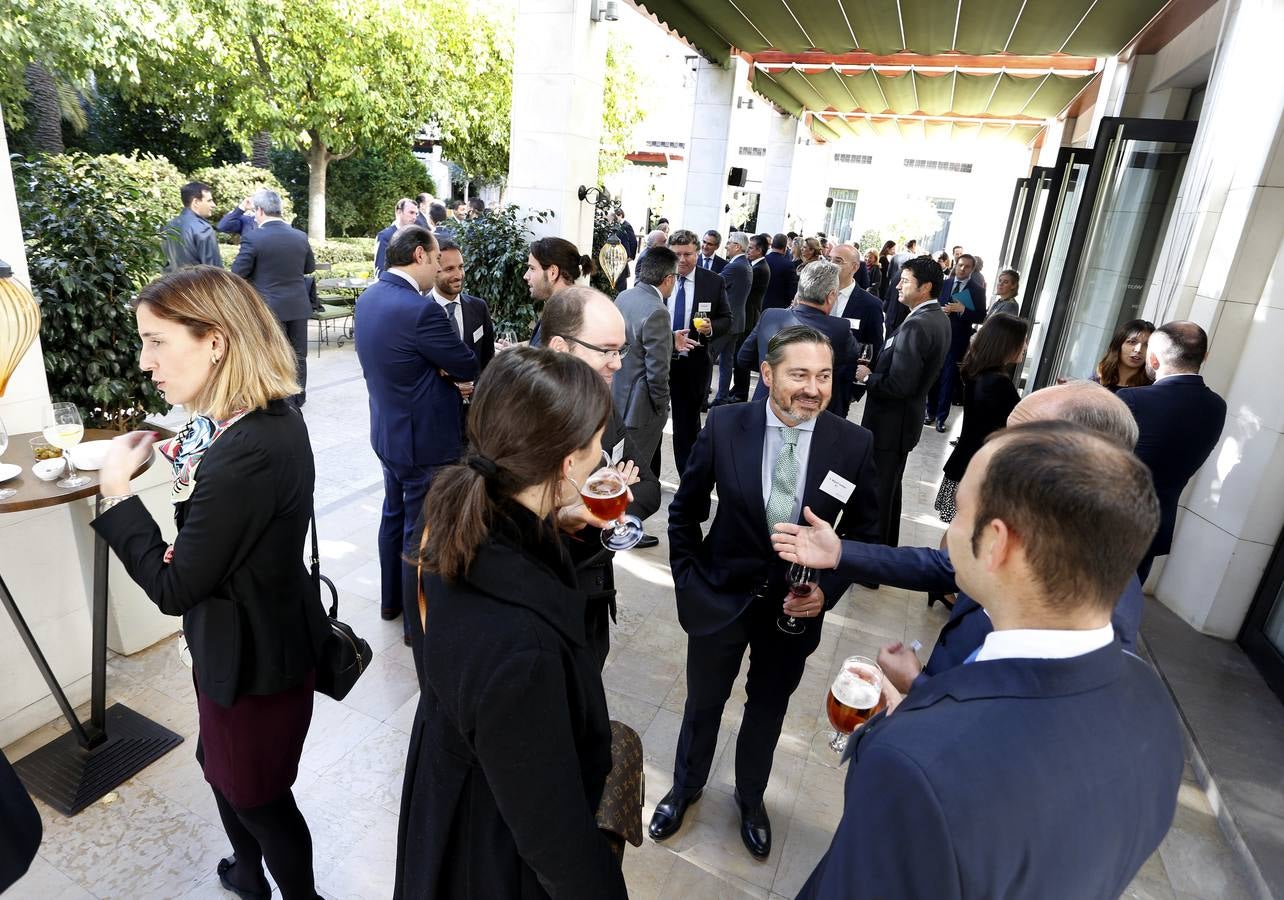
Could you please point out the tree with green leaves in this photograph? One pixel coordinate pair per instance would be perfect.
(619, 106)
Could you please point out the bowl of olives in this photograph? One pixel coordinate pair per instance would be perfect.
(42, 449)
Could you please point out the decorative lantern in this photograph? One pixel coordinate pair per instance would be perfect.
(613, 257)
(19, 323)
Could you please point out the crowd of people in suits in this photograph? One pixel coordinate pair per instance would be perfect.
(498, 569)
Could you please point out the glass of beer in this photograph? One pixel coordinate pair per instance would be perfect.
(802, 581)
(855, 696)
(63, 429)
(606, 495)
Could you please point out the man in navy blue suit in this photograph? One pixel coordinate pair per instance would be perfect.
(929, 569)
(406, 213)
(783, 286)
(767, 459)
(816, 292)
(1048, 764)
(1180, 418)
(469, 315)
(405, 343)
(737, 274)
(709, 260)
(963, 300)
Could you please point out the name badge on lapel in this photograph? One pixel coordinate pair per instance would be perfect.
(854, 323)
(477, 335)
(704, 307)
(837, 487)
(887, 344)
(617, 453)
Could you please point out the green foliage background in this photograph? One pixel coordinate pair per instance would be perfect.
(495, 247)
(361, 192)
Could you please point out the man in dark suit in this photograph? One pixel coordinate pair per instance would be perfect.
(783, 285)
(858, 308)
(697, 293)
(709, 259)
(405, 342)
(964, 302)
(406, 213)
(960, 789)
(767, 460)
(189, 239)
(897, 387)
(757, 256)
(737, 274)
(894, 266)
(816, 292)
(274, 258)
(442, 227)
(423, 201)
(468, 315)
(1180, 418)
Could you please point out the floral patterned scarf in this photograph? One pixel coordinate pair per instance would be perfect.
(186, 450)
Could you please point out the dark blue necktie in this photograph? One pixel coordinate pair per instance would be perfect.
(680, 306)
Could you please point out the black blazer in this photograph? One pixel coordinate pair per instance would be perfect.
(477, 316)
(739, 281)
(511, 743)
(20, 827)
(987, 401)
(757, 290)
(274, 258)
(783, 286)
(716, 267)
(863, 305)
(716, 576)
(251, 613)
(1050, 778)
(710, 289)
(905, 369)
(1181, 421)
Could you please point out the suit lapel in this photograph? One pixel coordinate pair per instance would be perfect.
(470, 322)
(747, 454)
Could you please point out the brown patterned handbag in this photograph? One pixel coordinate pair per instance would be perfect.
(619, 814)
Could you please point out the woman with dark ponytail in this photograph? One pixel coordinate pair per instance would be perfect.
(511, 744)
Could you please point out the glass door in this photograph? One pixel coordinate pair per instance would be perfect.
(1126, 203)
(1031, 218)
(1262, 635)
(1009, 233)
(1042, 268)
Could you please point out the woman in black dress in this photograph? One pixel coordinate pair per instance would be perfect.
(511, 744)
(242, 499)
(988, 397)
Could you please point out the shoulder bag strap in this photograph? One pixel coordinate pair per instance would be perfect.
(316, 569)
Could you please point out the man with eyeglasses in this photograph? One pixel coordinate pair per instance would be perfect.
(584, 322)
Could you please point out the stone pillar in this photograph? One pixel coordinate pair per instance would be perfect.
(1222, 265)
(559, 69)
(782, 138)
(710, 151)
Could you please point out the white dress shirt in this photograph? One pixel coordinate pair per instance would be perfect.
(772, 443)
(688, 294)
(414, 284)
(840, 304)
(1041, 643)
(459, 309)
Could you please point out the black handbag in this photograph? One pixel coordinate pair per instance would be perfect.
(344, 656)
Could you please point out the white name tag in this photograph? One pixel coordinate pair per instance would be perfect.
(854, 323)
(888, 343)
(837, 487)
(617, 455)
(704, 307)
(477, 335)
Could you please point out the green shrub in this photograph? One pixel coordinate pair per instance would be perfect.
(494, 247)
(91, 228)
(361, 191)
(356, 252)
(231, 184)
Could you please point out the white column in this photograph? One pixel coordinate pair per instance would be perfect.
(782, 138)
(559, 68)
(709, 150)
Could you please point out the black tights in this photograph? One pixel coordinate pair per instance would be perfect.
(275, 832)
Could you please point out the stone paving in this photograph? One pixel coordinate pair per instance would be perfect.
(159, 836)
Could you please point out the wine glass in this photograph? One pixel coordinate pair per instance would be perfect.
(506, 338)
(63, 429)
(854, 697)
(606, 495)
(864, 353)
(5, 493)
(802, 581)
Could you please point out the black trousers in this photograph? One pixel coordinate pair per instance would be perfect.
(296, 330)
(688, 382)
(889, 465)
(776, 664)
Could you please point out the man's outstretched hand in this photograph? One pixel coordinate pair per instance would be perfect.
(815, 545)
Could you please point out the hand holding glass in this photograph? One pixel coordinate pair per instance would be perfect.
(606, 495)
(854, 697)
(63, 429)
(802, 581)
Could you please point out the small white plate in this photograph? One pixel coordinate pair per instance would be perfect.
(90, 455)
(9, 470)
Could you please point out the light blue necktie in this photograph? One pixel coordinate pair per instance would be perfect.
(784, 481)
(971, 657)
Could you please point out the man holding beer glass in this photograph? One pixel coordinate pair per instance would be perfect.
(767, 459)
(1048, 764)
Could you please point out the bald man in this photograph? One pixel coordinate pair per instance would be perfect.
(929, 569)
(656, 238)
(860, 308)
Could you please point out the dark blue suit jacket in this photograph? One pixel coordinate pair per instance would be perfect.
(382, 239)
(237, 221)
(715, 577)
(863, 305)
(716, 267)
(738, 277)
(783, 286)
(1048, 778)
(403, 339)
(754, 349)
(274, 258)
(477, 316)
(1181, 421)
(926, 569)
(961, 324)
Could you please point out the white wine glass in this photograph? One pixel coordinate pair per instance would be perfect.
(64, 429)
(5, 493)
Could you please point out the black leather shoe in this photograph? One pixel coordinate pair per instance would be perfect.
(940, 426)
(388, 614)
(928, 420)
(648, 540)
(405, 639)
(225, 866)
(669, 813)
(755, 828)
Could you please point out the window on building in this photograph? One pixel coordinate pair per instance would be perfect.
(941, 165)
(753, 151)
(939, 239)
(858, 159)
(677, 145)
(744, 103)
(841, 217)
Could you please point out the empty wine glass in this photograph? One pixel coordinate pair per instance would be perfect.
(505, 338)
(5, 493)
(802, 581)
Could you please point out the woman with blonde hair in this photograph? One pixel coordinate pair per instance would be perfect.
(809, 251)
(242, 493)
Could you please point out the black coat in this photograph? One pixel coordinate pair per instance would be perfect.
(987, 401)
(906, 368)
(274, 258)
(251, 613)
(20, 827)
(511, 744)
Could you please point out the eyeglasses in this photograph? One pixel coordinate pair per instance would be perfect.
(618, 354)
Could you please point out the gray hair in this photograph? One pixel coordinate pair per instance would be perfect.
(656, 238)
(816, 281)
(657, 264)
(794, 334)
(739, 237)
(268, 201)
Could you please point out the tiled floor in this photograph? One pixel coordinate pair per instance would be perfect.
(158, 836)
